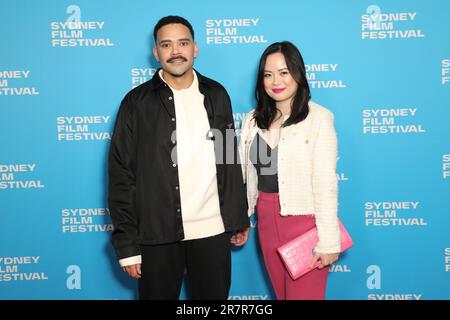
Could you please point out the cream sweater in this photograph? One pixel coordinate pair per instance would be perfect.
(307, 181)
(199, 193)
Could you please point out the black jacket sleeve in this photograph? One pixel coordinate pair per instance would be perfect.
(122, 184)
(234, 185)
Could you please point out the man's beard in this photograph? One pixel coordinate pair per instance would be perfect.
(176, 75)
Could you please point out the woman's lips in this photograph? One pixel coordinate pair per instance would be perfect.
(278, 90)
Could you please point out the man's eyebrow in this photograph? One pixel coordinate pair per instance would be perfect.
(183, 39)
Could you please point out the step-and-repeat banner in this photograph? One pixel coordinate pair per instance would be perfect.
(382, 67)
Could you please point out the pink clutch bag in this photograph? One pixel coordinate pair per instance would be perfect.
(298, 253)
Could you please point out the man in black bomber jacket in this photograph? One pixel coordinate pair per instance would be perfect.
(176, 199)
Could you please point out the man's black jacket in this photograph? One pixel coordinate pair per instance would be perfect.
(144, 195)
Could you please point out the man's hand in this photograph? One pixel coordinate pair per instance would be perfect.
(133, 270)
(240, 237)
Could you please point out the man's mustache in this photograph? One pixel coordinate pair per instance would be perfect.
(175, 58)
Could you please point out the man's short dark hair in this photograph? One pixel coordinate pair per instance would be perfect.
(169, 20)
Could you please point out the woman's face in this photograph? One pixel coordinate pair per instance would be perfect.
(278, 82)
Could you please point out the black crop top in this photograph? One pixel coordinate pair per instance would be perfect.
(265, 160)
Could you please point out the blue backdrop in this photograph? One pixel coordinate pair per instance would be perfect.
(382, 67)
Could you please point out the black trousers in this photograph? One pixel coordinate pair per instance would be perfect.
(207, 262)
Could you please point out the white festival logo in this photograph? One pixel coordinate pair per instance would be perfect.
(376, 25)
(75, 19)
(74, 32)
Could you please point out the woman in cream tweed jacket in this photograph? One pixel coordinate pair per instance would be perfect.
(307, 192)
(307, 154)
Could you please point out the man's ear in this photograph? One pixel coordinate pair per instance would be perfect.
(195, 50)
(155, 53)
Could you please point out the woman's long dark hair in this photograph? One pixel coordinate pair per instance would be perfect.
(266, 111)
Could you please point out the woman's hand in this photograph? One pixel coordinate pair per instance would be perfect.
(326, 259)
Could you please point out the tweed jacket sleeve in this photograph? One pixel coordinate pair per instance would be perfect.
(325, 185)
